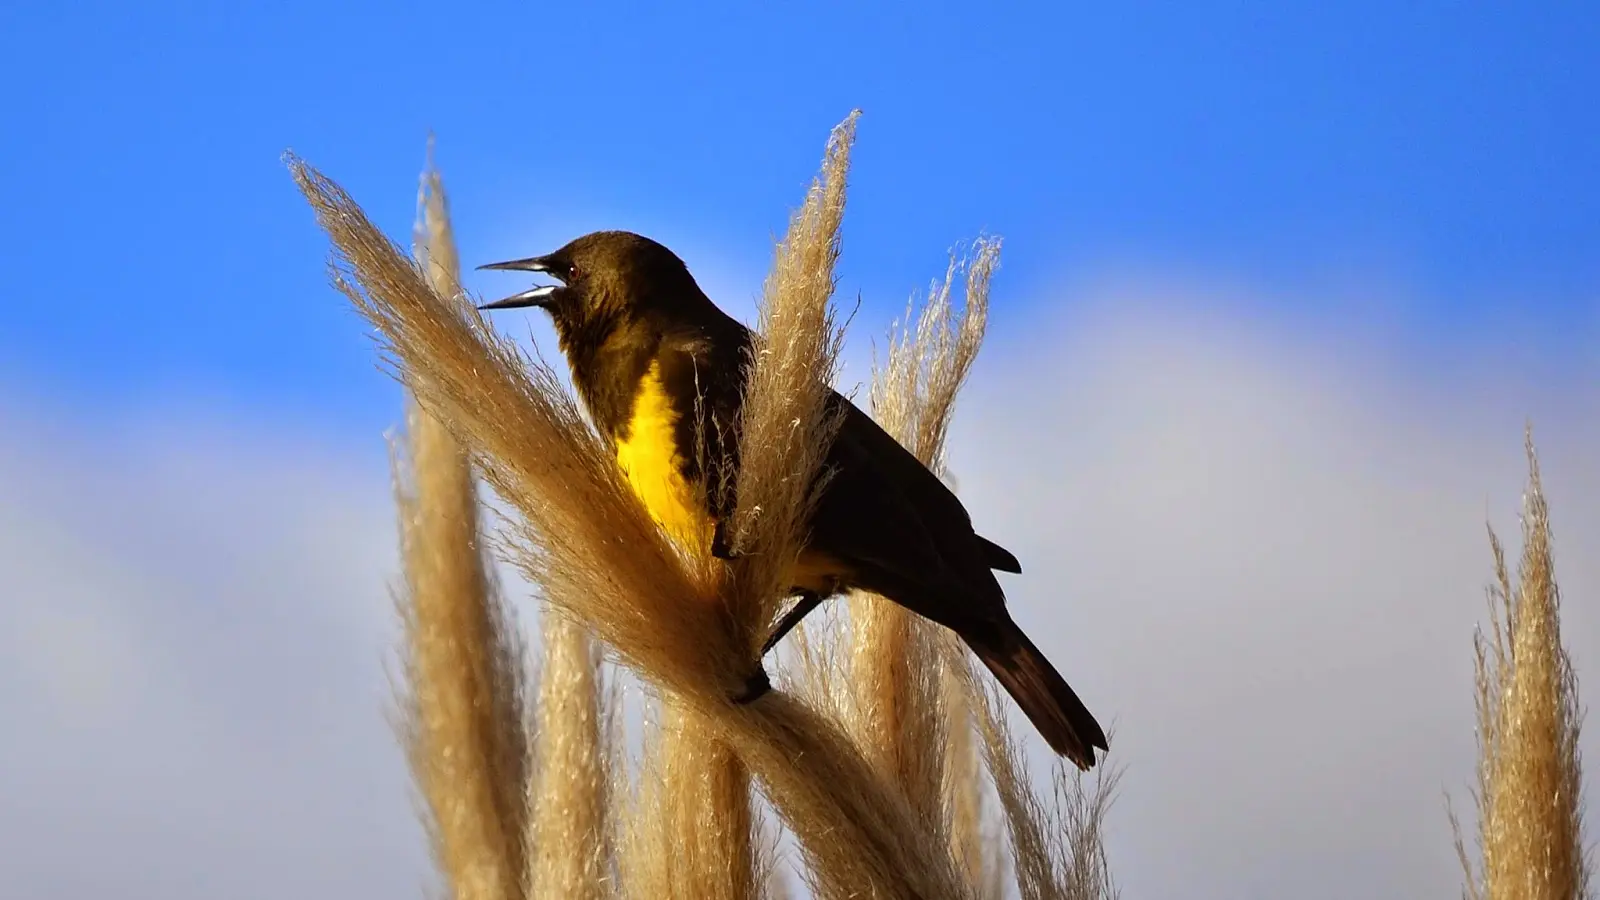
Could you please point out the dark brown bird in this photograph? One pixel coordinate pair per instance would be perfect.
(661, 370)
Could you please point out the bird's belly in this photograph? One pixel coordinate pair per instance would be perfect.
(650, 459)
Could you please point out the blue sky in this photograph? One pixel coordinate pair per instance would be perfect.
(157, 249)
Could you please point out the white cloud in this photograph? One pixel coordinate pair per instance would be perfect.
(1261, 554)
(191, 638)
(1257, 551)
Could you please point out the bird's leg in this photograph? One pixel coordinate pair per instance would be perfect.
(721, 544)
(809, 600)
(759, 684)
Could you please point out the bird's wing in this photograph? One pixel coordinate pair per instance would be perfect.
(944, 517)
(887, 514)
(702, 372)
(883, 507)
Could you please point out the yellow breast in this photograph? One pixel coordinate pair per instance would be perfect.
(653, 464)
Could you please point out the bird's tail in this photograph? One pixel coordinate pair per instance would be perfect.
(1044, 696)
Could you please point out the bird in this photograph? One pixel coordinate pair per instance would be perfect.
(660, 369)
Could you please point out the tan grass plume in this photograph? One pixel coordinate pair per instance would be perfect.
(692, 832)
(562, 843)
(569, 837)
(584, 538)
(1530, 785)
(464, 662)
(898, 660)
(1057, 844)
(911, 695)
(915, 686)
(786, 426)
(974, 840)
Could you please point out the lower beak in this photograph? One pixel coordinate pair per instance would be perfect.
(539, 296)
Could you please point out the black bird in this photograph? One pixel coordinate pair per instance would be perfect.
(661, 370)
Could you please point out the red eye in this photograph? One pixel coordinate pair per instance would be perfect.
(572, 272)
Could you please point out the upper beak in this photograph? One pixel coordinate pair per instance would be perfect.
(531, 264)
(538, 296)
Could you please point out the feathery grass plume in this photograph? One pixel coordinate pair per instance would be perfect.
(1058, 852)
(817, 669)
(695, 809)
(561, 834)
(1530, 787)
(586, 540)
(569, 835)
(691, 831)
(913, 395)
(645, 847)
(785, 431)
(898, 660)
(786, 426)
(464, 662)
(977, 849)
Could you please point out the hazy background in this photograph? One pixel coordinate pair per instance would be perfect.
(1279, 292)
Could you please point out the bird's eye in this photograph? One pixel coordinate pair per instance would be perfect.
(572, 271)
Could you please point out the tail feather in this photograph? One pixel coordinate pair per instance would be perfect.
(1043, 695)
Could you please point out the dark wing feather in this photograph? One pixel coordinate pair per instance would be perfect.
(701, 369)
(901, 529)
(862, 442)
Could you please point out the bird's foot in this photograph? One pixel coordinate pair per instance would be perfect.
(755, 688)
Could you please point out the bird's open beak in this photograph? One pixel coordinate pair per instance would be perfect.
(539, 296)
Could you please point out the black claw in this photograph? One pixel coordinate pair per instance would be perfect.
(755, 688)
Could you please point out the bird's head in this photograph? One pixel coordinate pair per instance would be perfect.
(604, 277)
